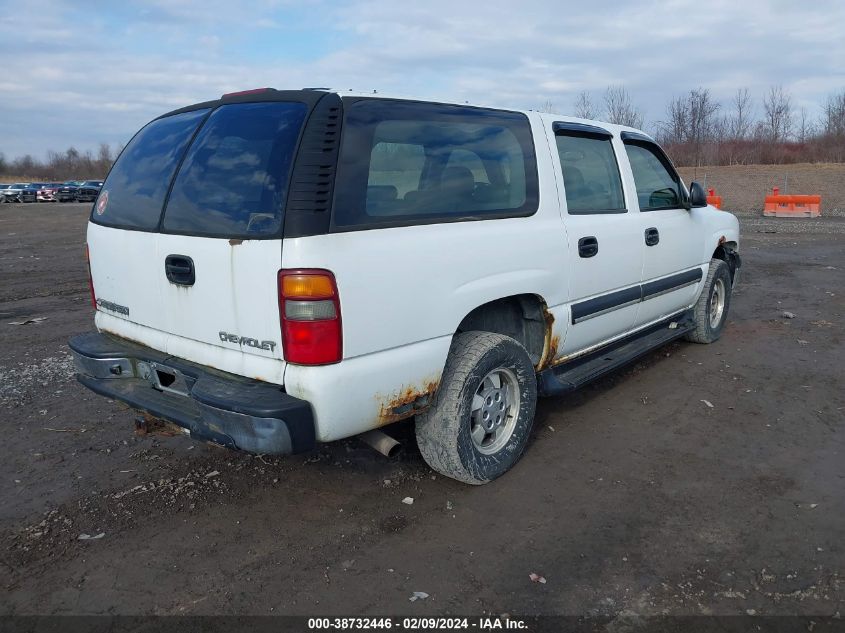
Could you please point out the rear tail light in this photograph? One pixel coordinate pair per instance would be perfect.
(90, 280)
(309, 309)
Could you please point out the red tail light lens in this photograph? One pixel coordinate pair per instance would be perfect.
(90, 280)
(309, 310)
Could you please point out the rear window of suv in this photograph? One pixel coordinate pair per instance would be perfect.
(135, 189)
(232, 181)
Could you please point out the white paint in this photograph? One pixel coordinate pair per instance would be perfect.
(403, 291)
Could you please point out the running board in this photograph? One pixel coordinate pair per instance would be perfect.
(579, 371)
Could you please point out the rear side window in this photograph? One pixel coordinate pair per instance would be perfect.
(407, 163)
(133, 194)
(658, 186)
(590, 174)
(234, 180)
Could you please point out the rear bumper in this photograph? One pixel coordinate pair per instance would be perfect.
(236, 412)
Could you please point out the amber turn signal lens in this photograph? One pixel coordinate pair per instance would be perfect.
(307, 286)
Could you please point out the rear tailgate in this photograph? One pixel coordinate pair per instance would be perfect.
(198, 280)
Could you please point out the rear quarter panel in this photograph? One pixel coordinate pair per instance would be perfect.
(403, 293)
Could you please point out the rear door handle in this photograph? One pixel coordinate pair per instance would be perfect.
(180, 270)
(652, 236)
(588, 246)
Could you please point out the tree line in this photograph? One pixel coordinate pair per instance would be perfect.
(60, 166)
(696, 129)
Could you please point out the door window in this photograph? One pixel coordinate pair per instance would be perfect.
(590, 174)
(658, 186)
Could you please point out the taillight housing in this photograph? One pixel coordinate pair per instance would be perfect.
(90, 279)
(309, 311)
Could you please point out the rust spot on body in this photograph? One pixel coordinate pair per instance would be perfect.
(235, 242)
(551, 342)
(408, 402)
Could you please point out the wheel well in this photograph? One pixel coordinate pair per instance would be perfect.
(725, 251)
(522, 317)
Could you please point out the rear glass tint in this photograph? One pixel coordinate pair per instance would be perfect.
(407, 163)
(234, 180)
(133, 194)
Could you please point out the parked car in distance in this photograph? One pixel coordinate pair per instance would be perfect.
(3, 189)
(279, 268)
(30, 192)
(20, 192)
(67, 191)
(88, 190)
(47, 192)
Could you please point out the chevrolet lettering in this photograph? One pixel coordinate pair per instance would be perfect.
(245, 340)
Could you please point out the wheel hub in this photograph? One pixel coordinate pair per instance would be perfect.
(495, 408)
(717, 303)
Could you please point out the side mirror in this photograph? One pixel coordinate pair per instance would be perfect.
(697, 196)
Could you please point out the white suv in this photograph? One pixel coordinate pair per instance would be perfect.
(278, 268)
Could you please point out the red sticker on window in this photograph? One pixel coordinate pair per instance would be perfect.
(102, 203)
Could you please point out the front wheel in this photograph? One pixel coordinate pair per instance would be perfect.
(480, 421)
(711, 309)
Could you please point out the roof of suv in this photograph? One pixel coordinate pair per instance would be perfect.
(311, 95)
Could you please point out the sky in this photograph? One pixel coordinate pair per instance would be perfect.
(86, 72)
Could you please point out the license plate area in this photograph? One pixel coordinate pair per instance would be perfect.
(165, 378)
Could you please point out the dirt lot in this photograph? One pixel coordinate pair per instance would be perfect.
(743, 187)
(636, 496)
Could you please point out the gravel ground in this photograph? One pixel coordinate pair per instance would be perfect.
(635, 495)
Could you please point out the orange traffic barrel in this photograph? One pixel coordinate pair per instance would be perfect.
(713, 199)
(792, 206)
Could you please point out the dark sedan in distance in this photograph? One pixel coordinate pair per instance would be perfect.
(67, 191)
(88, 190)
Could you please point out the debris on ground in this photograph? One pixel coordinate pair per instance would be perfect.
(537, 578)
(408, 501)
(88, 537)
(787, 315)
(418, 595)
(28, 321)
(708, 403)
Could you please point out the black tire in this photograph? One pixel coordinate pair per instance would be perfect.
(445, 430)
(708, 328)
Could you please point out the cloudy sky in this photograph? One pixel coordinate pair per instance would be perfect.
(81, 73)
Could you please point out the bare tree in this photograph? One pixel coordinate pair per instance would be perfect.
(619, 109)
(702, 119)
(104, 155)
(584, 107)
(834, 115)
(676, 127)
(739, 124)
(777, 106)
(806, 128)
(548, 107)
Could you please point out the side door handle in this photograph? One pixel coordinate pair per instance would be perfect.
(652, 236)
(180, 270)
(588, 246)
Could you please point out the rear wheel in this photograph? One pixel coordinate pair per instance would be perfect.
(711, 309)
(480, 421)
